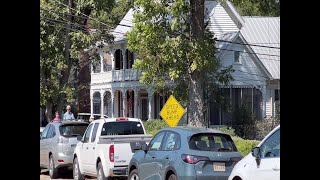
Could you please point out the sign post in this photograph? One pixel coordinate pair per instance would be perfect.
(172, 112)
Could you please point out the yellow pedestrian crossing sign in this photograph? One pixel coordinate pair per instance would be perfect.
(172, 111)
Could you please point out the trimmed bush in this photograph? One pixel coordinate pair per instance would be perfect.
(244, 146)
(152, 126)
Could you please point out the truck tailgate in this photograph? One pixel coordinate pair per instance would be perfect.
(124, 146)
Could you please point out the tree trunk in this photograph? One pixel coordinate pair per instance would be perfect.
(64, 81)
(49, 113)
(196, 78)
(196, 101)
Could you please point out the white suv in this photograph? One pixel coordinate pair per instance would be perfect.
(264, 161)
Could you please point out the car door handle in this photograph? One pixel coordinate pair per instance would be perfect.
(93, 148)
(87, 147)
(153, 157)
(167, 157)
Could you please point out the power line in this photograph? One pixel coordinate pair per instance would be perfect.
(247, 44)
(88, 16)
(249, 52)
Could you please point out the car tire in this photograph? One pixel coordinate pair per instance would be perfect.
(100, 174)
(133, 175)
(76, 170)
(172, 177)
(53, 172)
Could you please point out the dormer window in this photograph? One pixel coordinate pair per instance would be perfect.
(237, 56)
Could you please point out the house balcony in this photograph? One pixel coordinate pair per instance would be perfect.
(115, 76)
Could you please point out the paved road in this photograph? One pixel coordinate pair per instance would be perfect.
(64, 176)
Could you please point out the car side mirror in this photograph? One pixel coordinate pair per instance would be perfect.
(144, 148)
(257, 154)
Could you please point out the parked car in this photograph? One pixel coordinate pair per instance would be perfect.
(57, 144)
(185, 153)
(263, 162)
(107, 147)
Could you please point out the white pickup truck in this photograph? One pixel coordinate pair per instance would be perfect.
(107, 148)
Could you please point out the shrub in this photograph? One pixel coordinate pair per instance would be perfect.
(152, 126)
(228, 130)
(244, 146)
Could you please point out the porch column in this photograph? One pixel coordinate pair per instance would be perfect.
(112, 51)
(124, 63)
(91, 104)
(151, 104)
(112, 103)
(264, 101)
(124, 102)
(101, 61)
(136, 93)
(102, 102)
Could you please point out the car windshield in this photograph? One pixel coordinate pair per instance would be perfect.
(68, 130)
(122, 128)
(212, 142)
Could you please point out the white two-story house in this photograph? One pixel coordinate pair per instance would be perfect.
(250, 44)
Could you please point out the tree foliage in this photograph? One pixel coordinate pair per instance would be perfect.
(59, 56)
(170, 55)
(257, 7)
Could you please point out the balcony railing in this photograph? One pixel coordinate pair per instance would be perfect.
(115, 76)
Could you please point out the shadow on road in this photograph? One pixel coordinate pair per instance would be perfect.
(62, 174)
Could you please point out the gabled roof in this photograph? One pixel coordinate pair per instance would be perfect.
(124, 26)
(264, 31)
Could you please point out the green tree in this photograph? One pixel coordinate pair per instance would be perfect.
(257, 7)
(65, 30)
(176, 52)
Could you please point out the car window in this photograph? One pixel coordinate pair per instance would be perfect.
(87, 135)
(172, 141)
(94, 132)
(122, 128)
(212, 142)
(45, 132)
(155, 143)
(72, 130)
(51, 132)
(271, 147)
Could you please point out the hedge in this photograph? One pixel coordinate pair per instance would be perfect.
(244, 146)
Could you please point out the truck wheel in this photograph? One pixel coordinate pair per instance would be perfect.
(76, 171)
(53, 172)
(100, 174)
(172, 177)
(133, 175)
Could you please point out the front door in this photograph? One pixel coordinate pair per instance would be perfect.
(84, 151)
(149, 167)
(91, 149)
(144, 109)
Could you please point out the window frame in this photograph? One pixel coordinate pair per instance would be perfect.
(94, 132)
(161, 143)
(89, 130)
(266, 141)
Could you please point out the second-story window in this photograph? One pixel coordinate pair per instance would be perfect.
(118, 59)
(129, 59)
(107, 62)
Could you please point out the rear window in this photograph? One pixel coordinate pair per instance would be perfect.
(122, 128)
(69, 130)
(212, 142)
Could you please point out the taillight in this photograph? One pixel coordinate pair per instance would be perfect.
(193, 159)
(111, 153)
(63, 140)
(122, 119)
(235, 160)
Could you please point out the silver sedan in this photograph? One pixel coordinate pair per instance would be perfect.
(57, 144)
